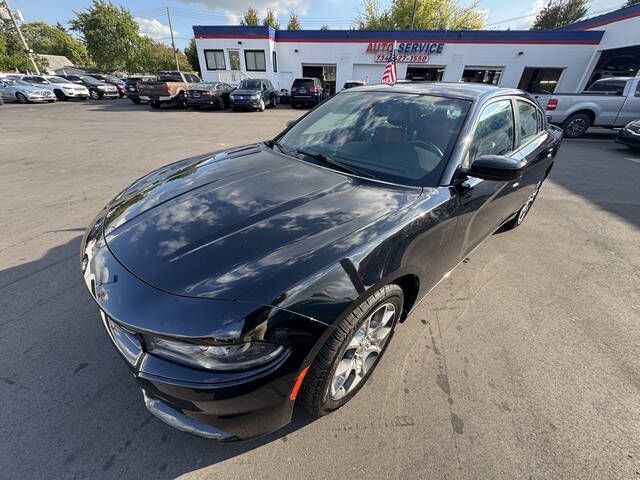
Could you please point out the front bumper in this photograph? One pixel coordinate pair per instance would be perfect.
(628, 137)
(245, 102)
(224, 406)
(203, 100)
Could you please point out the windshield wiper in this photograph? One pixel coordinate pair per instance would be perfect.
(325, 159)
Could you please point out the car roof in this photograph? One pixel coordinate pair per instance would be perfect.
(462, 90)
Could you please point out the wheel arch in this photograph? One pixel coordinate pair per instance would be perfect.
(586, 111)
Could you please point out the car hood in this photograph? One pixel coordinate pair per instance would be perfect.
(221, 225)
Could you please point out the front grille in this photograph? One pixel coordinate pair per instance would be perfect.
(127, 342)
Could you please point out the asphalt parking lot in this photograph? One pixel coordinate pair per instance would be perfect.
(522, 364)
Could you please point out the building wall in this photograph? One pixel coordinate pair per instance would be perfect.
(575, 51)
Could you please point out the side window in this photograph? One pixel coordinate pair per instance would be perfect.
(638, 90)
(214, 60)
(274, 60)
(529, 121)
(495, 131)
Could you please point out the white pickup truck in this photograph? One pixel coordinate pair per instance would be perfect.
(610, 102)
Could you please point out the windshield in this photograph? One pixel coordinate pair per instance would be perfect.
(398, 137)
(250, 85)
(58, 80)
(204, 86)
(39, 80)
(91, 80)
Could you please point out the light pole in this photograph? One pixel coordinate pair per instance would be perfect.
(24, 42)
(173, 43)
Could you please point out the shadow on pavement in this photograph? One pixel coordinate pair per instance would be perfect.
(70, 408)
(601, 171)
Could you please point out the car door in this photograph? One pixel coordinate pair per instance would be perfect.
(4, 91)
(631, 109)
(536, 146)
(481, 210)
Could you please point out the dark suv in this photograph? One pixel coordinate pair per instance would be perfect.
(306, 91)
(254, 93)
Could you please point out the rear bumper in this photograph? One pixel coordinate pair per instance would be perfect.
(310, 99)
(203, 101)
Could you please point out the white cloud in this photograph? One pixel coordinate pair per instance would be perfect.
(237, 8)
(529, 16)
(154, 29)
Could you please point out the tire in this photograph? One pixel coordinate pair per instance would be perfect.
(154, 104)
(576, 125)
(319, 393)
(60, 95)
(21, 98)
(221, 104)
(94, 95)
(181, 101)
(526, 208)
(135, 100)
(294, 105)
(262, 106)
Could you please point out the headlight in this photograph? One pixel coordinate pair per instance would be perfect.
(633, 126)
(220, 357)
(255, 95)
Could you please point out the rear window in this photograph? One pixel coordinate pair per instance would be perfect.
(303, 82)
(612, 86)
(169, 77)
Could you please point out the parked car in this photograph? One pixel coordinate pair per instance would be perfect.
(15, 90)
(306, 91)
(352, 84)
(630, 135)
(131, 86)
(169, 88)
(111, 80)
(255, 94)
(63, 89)
(237, 283)
(209, 94)
(610, 103)
(619, 66)
(98, 89)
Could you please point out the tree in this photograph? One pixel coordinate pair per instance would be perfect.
(152, 56)
(191, 52)
(46, 39)
(631, 3)
(12, 54)
(294, 22)
(558, 13)
(429, 15)
(326, 27)
(250, 17)
(111, 35)
(271, 20)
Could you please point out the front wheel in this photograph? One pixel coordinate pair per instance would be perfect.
(94, 94)
(135, 100)
(576, 125)
(21, 98)
(261, 106)
(154, 104)
(522, 213)
(350, 355)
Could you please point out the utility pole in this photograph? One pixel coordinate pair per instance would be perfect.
(413, 15)
(173, 43)
(24, 42)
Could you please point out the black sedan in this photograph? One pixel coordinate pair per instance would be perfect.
(237, 283)
(209, 94)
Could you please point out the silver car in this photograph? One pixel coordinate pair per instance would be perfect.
(12, 90)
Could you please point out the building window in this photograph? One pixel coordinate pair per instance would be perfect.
(214, 59)
(274, 60)
(234, 60)
(254, 61)
(487, 75)
(424, 74)
(539, 80)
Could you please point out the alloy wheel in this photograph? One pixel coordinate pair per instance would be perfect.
(363, 350)
(21, 98)
(576, 127)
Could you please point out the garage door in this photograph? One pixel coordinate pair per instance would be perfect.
(371, 74)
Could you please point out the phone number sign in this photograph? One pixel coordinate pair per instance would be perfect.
(406, 52)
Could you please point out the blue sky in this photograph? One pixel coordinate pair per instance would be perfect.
(313, 13)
